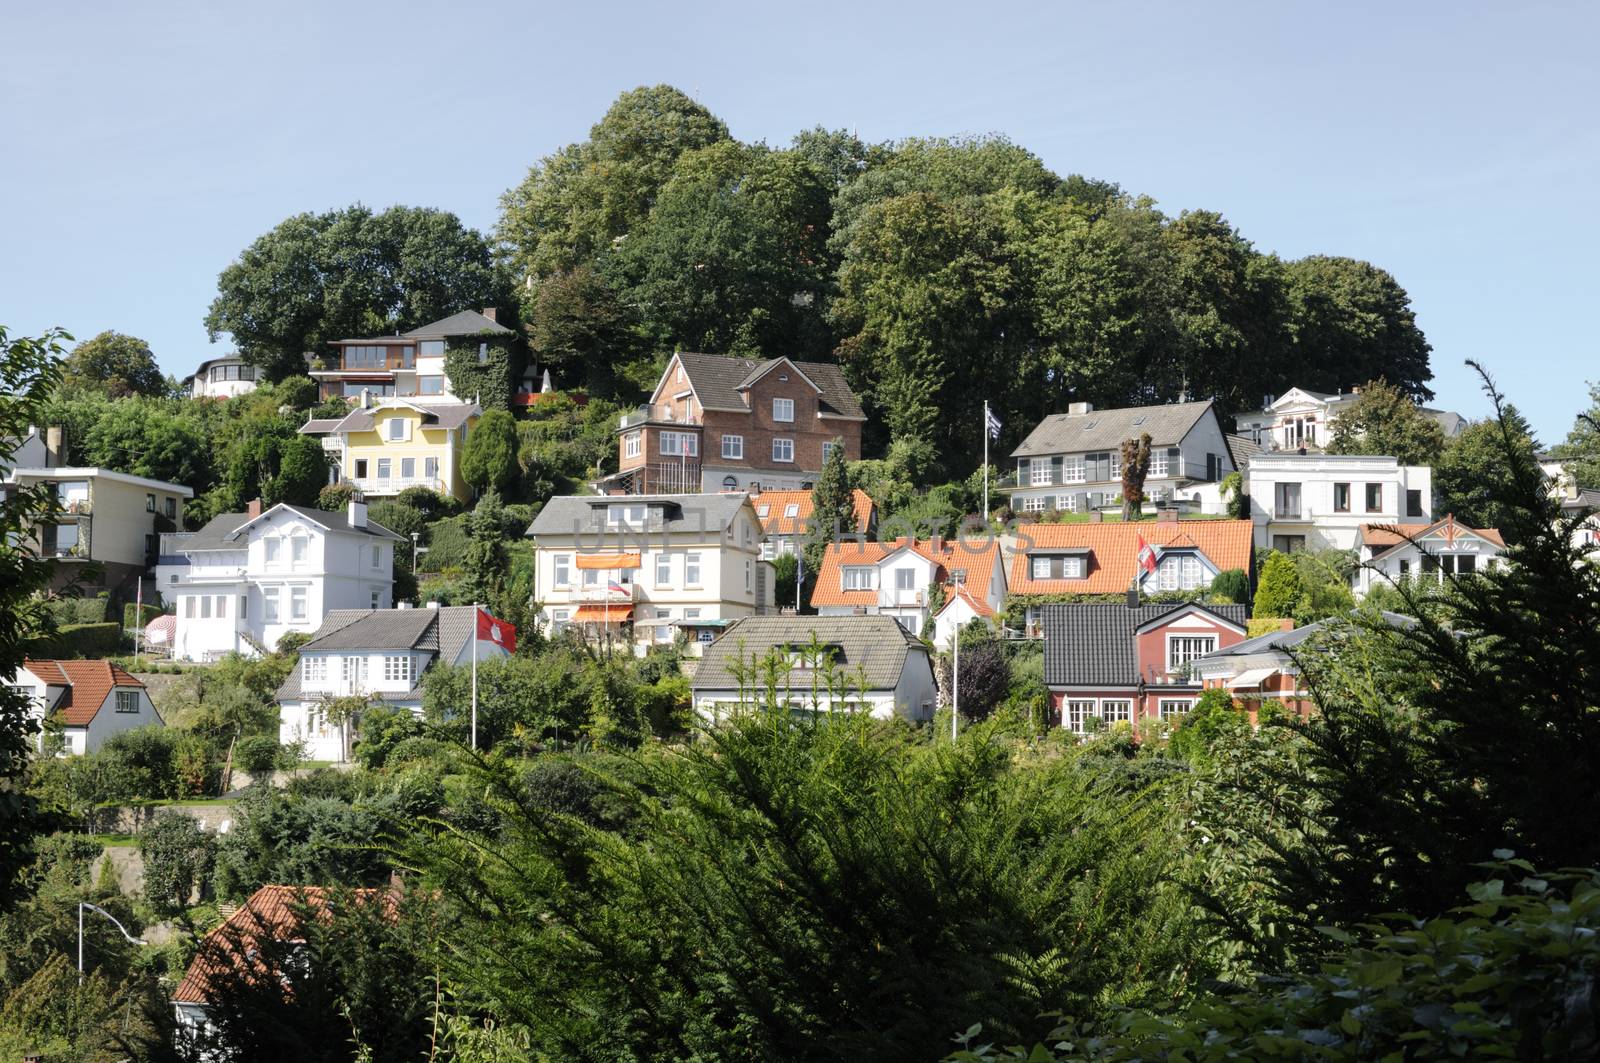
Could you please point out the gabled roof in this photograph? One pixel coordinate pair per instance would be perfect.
(1114, 550)
(1242, 449)
(444, 631)
(88, 682)
(331, 520)
(877, 645)
(1073, 433)
(961, 594)
(1094, 645)
(717, 380)
(274, 911)
(776, 504)
(434, 415)
(575, 514)
(763, 368)
(464, 323)
(1384, 538)
(977, 560)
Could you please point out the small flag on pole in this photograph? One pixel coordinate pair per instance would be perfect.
(498, 632)
(1147, 556)
(616, 588)
(991, 422)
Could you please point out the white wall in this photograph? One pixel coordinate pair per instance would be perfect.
(1323, 526)
(108, 721)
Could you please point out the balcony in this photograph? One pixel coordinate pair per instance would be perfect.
(893, 598)
(660, 478)
(69, 538)
(332, 444)
(392, 485)
(655, 414)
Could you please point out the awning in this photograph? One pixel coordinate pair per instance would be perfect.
(608, 561)
(600, 614)
(1252, 677)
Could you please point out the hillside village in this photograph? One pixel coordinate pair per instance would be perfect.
(306, 633)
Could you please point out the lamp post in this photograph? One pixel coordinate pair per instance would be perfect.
(85, 904)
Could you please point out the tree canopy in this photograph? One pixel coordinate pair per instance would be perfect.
(114, 363)
(1384, 420)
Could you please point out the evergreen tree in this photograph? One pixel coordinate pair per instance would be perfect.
(833, 512)
(486, 553)
(1279, 590)
(489, 457)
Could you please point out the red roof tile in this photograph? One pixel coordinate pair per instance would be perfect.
(1384, 536)
(90, 683)
(771, 506)
(976, 558)
(1114, 550)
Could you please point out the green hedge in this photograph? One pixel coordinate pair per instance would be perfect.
(82, 640)
(149, 613)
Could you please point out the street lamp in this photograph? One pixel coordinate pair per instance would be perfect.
(416, 549)
(85, 904)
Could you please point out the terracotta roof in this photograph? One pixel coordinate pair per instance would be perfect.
(270, 910)
(976, 559)
(1114, 547)
(772, 505)
(1382, 537)
(962, 594)
(90, 683)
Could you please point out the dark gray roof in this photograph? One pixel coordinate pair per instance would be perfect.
(435, 415)
(1093, 645)
(1286, 640)
(571, 514)
(320, 426)
(717, 378)
(1073, 433)
(445, 631)
(1586, 498)
(876, 645)
(217, 533)
(465, 323)
(1241, 448)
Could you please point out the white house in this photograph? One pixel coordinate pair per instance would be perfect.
(1073, 460)
(91, 700)
(381, 653)
(222, 378)
(1425, 551)
(899, 578)
(1320, 501)
(860, 663)
(642, 568)
(1303, 419)
(1579, 504)
(243, 581)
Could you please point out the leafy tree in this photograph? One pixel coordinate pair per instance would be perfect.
(733, 255)
(335, 498)
(1384, 421)
(1581, 449)
(1471, 476)
(1231, 585)
(840, 155)
(153, 438)
(1279, 589)
(985, 674)
(299, 841)
(117, 364)
(1352, 322)
(302, 473)
(1135, 467)
(489, 457)
(580, 328)
(177, 857)
(1213, 714)
(520, 698)
(382, 729)
(574, 204)
(29, 370)
(314, 278)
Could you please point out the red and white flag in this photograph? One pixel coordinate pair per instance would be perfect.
(498, 632)
(1147, 555)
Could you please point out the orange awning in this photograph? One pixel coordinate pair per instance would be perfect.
(608, 560)
(600, 614)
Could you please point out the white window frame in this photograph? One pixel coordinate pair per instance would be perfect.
(397, 669)
(680, 444)
(561, 570)
(314, 671)
(1184, 648)
(1116, 710)
(663, 569)
(691, 569)
(298, 549)
(1172, 708)
(1041, 474)
(1072, 469)
(783, 450)
(859, 578)
(377, 557)
(408, 468)
(733, 447)
(905, 579)
(1041, 568)
(827, 451)
(1033, 504)
(783, 410)
(270, 600)
(127, 701)
(274, 549)
(1076, 714)
(632, 445)
(792, 509)
(299, 604)
(397, 430)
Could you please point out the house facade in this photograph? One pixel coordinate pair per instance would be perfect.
(222, 378)
(912, 581)
(716, 423)
(642, 569)
(786, 519)
(107, 534)
(376, 653)
(87, 701)
(1102, 558)
(1109, 665)
(410, 364)
(383, 447)
(1320, 501)
(245, 580)
(1437, 551)
(830, 664)
(1301, 419)
(1073, 461)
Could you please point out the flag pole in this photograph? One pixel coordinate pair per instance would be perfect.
(474, 675)
(955, 679)
(985, 461)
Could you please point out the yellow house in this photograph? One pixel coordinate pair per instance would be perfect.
(383, 449)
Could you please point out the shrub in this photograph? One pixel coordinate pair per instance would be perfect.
(335, 497)
(448, 540)
(258, 754)
(1232, 585)
(82, 640)
(177, 857)
(429, 502)
(401, 519)
(1279, 590)
(382, 729)
(78, 611)
(143, 617)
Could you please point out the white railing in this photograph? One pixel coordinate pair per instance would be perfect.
(900, 599)
(393, 485)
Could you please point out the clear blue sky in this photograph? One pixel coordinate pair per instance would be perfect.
(1454, 144)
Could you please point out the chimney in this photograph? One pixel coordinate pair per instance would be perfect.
(55, 447)
(356, 512)
(1286, 624)
(433, 605)
(1166, 516)
(254, 508)
(402, 605)
(489, 312)
(1096, 517)
(1133, 594)
(366, 398)
(1075, 409)
(1355, 389)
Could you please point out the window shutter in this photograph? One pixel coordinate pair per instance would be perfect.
(1083, 502)
(1022, 470)
(1055, 473)
(1056, 569)
(1049, 501)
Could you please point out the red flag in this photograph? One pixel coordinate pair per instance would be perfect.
(1147, 556)
(498, 632)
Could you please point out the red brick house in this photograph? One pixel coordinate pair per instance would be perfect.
(1119, 664)
(716, 423)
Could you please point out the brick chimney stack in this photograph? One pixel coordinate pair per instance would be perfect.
(489, 312)
(254, 508)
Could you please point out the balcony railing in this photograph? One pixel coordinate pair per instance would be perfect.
(892, 598)
(393, 485)
(656, 412)
(1172, 470)
(661, 478)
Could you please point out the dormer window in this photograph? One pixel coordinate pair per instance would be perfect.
(860, 578)
(1179, 571)
(627, 513)
(1057, 566)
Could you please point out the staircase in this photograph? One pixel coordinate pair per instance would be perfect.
(254, 643)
